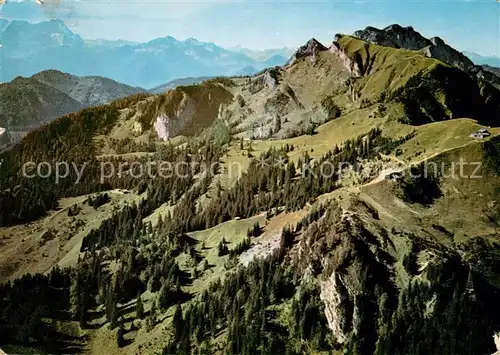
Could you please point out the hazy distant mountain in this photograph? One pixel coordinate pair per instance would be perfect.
(23, 40)
(483, 60)
(249, 70)
(30, 48)
(26, 103)
(90, 90)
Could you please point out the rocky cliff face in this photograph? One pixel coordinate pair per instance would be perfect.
(394, 36)
(335, 297)
(440, 50)
(185, 110)
(348, 253)
(168, 125)
(161, 127)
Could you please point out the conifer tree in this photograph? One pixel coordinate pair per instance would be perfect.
(139, 308)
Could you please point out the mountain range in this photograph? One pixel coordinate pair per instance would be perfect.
(29, 48)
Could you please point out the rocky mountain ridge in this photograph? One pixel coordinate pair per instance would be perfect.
(397, 36)
(376, 258)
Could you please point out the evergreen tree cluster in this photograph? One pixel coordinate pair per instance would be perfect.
(461, 322)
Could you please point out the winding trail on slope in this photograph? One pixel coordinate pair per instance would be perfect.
(384, 173)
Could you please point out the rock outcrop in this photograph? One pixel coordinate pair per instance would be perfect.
(372, 288)
(186, 110)
(270, 78)
(345, 254)
(496, 339)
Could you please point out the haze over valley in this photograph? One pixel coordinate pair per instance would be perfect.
(339, 194)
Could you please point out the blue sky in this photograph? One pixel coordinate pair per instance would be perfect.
(466, 25)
